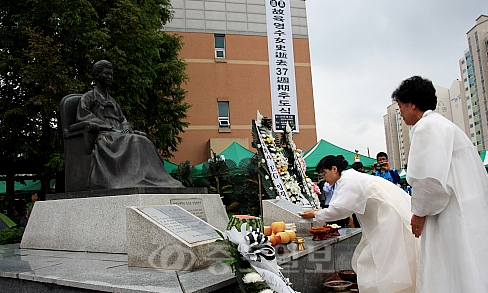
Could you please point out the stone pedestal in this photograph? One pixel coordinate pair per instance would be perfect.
(275, 210)
(98, 224)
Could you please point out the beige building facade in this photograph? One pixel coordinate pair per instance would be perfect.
(225, 47)
(474, 73)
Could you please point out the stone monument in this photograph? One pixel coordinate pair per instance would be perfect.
(169, 237)
(109, 167)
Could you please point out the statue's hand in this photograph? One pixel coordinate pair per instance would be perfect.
(140, 132)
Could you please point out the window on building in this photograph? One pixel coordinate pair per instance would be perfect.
(472, 134)
(219, 46)
(224, 118)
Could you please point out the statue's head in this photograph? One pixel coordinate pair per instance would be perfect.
(99, 66)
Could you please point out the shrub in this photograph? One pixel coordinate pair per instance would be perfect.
(12, 235)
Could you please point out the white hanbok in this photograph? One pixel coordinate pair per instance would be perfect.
(449, 187)
(385, 259)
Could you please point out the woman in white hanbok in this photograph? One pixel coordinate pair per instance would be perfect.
(449, 195)
(385, 260)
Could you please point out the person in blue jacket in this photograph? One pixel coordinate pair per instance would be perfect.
(382, 169)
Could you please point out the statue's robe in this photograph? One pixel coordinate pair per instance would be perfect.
(120, 160)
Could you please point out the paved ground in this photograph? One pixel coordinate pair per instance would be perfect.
(103, 272)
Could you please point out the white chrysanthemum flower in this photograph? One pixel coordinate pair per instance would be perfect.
(270, 188)
(266, 177)
(252, 278)
(259, 145)
(266, 291)
(263, 161)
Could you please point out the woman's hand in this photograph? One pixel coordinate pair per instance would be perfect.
(308, 214)
(417, 225)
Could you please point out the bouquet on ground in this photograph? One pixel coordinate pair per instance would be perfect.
(253, 260)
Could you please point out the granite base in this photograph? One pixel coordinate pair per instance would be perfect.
(98, 224)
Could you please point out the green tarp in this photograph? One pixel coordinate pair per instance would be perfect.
(234, 152)
(324, 148)
(484, 158)
(169, 166)
(29, 186)
(6, 222)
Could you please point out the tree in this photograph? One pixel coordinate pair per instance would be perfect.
(47, 49)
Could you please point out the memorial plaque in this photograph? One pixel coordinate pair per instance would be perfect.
(291, 207)
(181, 223)
(192, 205)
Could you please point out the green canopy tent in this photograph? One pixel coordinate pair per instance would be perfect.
(169, 166)
(29, 186)
(403, 176)
(6, 222)
(324, 148)
(234, 152)
(484, 158)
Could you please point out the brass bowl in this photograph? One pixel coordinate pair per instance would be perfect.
(338, 285)
(348, 275)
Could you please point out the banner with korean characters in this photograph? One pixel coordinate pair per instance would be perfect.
(281, 65)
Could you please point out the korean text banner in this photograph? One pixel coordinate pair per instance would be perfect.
(281, 65)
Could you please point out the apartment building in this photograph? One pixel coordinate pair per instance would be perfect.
(449, 104)
(474, 74)
(464, 103)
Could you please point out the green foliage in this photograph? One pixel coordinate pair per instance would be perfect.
(12, 235)
(217, 178)
(46, 52)
(246, 196)
(184, 173)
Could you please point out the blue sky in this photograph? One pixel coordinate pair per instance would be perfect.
(361, 51)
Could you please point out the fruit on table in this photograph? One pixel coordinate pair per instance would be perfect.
(238, 220)
(267, 230)
(278, 227)
(291, 234)
(285, 237)
(274, 240)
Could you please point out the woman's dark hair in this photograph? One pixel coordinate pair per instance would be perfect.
(329, 161)
(358, 166)
(418, 91)
(98, 67)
